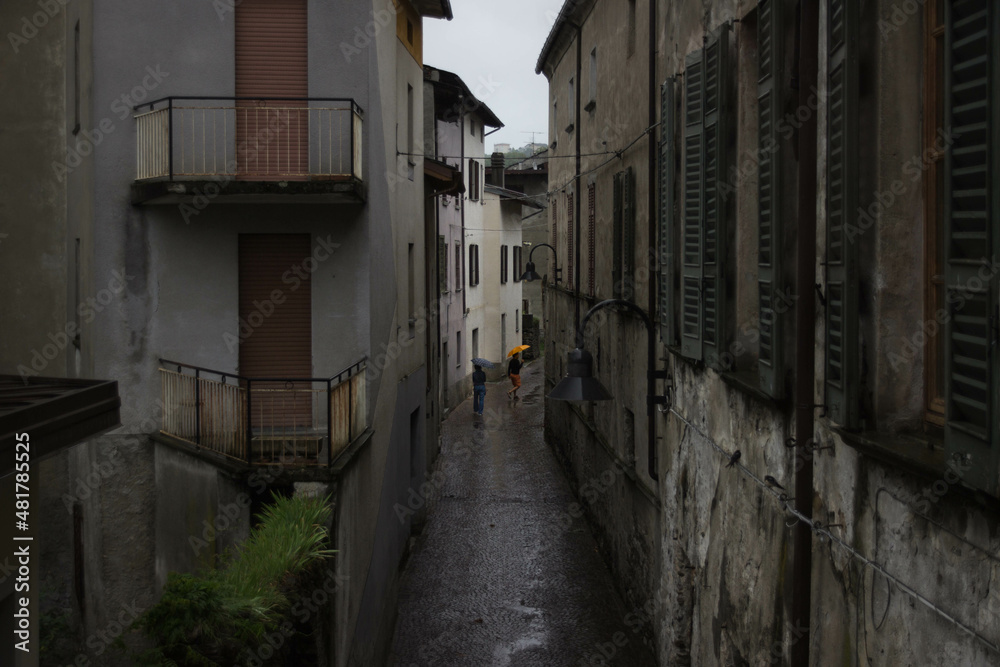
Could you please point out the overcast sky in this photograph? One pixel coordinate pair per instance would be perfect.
(494, 46)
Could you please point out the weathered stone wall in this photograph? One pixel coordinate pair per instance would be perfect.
(718, 567)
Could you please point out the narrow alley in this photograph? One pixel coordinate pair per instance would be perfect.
(503, 574)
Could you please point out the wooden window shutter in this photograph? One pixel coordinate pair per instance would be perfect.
(842, 232)
(628, 236)
(714, 230)
(694, 201)
(591, 236)
(616, 219)
(668, 321)
(972, 237)
(769, 58)
(570, 254)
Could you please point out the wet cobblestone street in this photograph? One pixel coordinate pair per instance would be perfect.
(503, 573)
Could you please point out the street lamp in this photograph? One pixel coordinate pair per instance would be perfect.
(529, 272)
(580, 384)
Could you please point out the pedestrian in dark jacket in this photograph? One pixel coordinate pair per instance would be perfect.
(514, 373)
(478, 389)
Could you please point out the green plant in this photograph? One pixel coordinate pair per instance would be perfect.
(216, 618)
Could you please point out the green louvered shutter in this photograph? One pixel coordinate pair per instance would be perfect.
(769, 197)
(668, 322)
(616, 220)
(842, 229)
(628, 236)
(714, 235)
(972, 209)
(694, 200)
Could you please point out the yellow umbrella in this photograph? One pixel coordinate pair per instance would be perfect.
(519, 348)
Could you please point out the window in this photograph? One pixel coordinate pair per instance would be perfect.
(623, 230)
(442, 264)
(503, 264)
(517, 321)
(591, 237)
(572, 105)
(411, 305)
(518, 270)
(570, 252)
(409, 125)
(592, 103)
(933, 180)
(475, 343)
(631, 28)
(459, 350)
(473, 265)
(409, 31)
(458, 266)
(76, 78)
(476, 178)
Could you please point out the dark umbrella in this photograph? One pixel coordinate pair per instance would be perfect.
(485, 363)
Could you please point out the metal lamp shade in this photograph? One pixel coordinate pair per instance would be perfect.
(529, 273)
(579, 383)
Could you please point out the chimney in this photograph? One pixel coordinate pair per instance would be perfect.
(496, 168)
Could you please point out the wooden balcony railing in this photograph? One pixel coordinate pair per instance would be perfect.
(289, 421)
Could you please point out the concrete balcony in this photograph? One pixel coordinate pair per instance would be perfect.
(196, 150)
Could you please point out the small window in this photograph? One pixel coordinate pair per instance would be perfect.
(473, 265)
(517, 264)
(503, 264)
(475, 343)
(593, 80)
(631, 27)
(517, 321)
(409, 31)
(458, 266)
(572, 105)
(458, 349)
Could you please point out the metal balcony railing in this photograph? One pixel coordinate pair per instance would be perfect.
(264, 421)
(248, 139)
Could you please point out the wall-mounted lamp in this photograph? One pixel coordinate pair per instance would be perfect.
(529, 271)
(580, 384)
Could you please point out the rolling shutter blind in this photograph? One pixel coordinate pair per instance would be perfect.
(616, 218)
(628, 236)
(842, 231)
(272, 60)
(280, 345)
(714, 233)
(972, 208)
(694, 201)
(769, 25)
(668, 316)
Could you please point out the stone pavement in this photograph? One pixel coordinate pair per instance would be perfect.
(503, 573)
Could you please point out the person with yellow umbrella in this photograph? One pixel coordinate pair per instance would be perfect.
(514, 370)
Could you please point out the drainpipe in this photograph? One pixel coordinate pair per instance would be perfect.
(805, 323)
(650, 213)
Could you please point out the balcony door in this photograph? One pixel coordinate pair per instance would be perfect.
(272, 131)
(276, 329)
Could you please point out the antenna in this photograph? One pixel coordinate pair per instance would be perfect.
(532, 139)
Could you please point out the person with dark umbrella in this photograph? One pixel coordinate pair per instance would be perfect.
(478, 389)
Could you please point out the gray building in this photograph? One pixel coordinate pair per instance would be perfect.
(801, 201)
(213, 192)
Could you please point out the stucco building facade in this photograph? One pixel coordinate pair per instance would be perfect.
(241, 245)
(814, 241)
